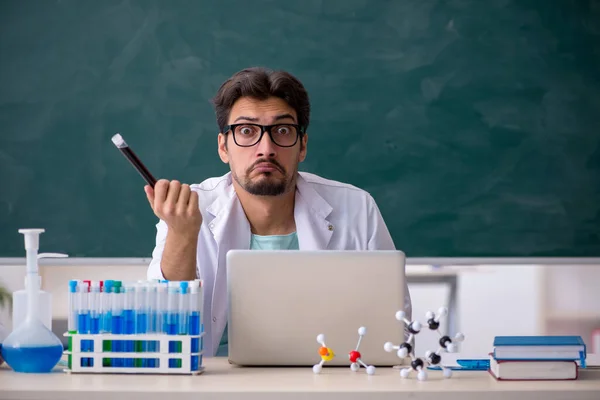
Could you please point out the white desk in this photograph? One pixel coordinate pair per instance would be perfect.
(222, 381)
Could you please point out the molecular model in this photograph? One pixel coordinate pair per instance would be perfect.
(327, 354)
(431, 358)
(355, 356)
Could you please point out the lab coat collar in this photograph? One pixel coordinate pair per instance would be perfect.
(310, 214)
(226, 210)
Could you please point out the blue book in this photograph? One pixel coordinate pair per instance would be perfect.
(540, 348)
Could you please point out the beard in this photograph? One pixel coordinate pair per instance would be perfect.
(268, 184)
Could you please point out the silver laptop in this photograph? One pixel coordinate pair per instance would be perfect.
(279, 301)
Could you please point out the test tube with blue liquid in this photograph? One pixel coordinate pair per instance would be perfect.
(172, 320)
(117, 321)
(83, 317)
(184, 305)
(141, 321)
(195, 307)
(95, 307)
(94, 314)
(72, 318)
(162, 309)
(158, 306)
(153, 324)
(106, 304)
(129, 320)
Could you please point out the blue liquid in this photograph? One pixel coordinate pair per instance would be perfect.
(32, 359)
(183, 324)
(141, 323)
(117, 324)
(83, 326)
(172, 324)
(95, 325)
(141, 326)
(83, 323)
(194, 326)
(107, 322)
(129, 322)
(153, 322)
(152, 347)
(172, 330)
(152, 344)
(117, 328)
(165, 322)
(129, 329)
(194, 322)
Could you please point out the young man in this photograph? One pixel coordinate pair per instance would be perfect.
(263, 202)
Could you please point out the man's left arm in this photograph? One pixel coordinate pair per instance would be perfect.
(380, 239)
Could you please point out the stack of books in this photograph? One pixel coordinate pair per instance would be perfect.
(537, 357)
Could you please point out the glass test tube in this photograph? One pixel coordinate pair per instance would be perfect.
(161, 308)
(152, 301)
(117, 321)
(83, 317)
(128, 320)
(141, 321)
(171, 326)
(182, 319)
(107, 318)
(194, 320)
(73, 307)
(72, 318)
(95, 307)
(183, 308)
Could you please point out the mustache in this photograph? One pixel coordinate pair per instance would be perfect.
(264, 160)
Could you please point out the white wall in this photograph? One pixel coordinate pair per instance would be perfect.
(492, 300)
(505, 301)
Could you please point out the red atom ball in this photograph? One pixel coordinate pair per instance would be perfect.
(354, 356)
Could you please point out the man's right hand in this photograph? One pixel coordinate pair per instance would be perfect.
(177, 205)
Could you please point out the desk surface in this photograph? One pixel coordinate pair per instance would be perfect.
(223, 381)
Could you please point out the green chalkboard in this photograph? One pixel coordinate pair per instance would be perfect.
(474, 124)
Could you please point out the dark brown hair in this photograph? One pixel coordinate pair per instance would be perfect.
(262, 83)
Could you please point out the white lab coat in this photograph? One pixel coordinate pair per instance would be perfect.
(328, 215)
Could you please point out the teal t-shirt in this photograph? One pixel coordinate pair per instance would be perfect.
(257, 242)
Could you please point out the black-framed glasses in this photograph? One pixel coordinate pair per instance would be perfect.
(247, 135)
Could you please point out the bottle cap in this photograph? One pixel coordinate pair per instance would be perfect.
(73, 285)
(32, 238)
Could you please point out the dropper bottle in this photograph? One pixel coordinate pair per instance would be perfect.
(19, 311)
(32, 347)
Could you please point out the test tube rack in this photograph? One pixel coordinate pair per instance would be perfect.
(163, 361)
